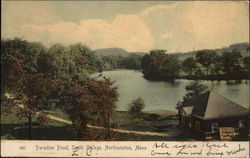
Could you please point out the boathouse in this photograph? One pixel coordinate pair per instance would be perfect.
(213, 116)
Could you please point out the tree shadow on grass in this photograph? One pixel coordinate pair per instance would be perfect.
(20, 131)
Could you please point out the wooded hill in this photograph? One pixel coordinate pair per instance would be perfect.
(241, 47)
(115, 52)
(111, 52)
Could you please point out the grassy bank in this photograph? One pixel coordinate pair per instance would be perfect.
(157, 121)
(13, 127)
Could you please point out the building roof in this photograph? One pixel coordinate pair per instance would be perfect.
(211, 105)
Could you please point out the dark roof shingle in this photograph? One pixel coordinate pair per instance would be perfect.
(212, 105)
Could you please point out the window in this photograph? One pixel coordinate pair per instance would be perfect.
(197, 125)
(241, 124)
(190, 124)
(214, 127)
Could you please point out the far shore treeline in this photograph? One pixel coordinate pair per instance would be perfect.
(227, 64)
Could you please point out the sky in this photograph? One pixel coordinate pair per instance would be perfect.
(136, 26)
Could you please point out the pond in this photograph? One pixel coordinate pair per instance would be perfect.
(162, 95)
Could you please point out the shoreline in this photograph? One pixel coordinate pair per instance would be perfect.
(203, 78)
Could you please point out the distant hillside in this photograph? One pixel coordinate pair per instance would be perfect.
(111, 51)
(139, 53)
(115, 52)
(242, 47)
(237, 46)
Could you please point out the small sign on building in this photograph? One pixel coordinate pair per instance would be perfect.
(227, 133)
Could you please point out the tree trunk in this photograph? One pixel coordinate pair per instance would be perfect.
(82, 130)
(108, 129)
(179, 117)
(80, 134)
(30, 126)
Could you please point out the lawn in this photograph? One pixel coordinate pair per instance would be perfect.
(14, 128)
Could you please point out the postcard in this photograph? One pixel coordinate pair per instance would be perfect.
(125, 79)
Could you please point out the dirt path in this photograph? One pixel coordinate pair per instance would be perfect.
(52, 117)
(131, 131)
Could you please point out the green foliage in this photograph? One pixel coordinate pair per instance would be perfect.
(89, 101)
(45, 64)
(34, 75)
(230, 62)
(194, 90)
(133, 61)
(75, 61)
(32, 89)
(23, 50)
(203, 64)
(189, 65)
(206, 58)
(41, 77)
(9, 136)
(110, 62)
(137, 105)
(216, 67)
(158, 65)
(246, 62)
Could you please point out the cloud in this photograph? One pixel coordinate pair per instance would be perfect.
(182, 26)
(125, 31)
(17, 13)
(37, 22)
(147, 11)
(167, 35)
(207, 25)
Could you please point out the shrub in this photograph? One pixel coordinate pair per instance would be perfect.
(10, 136)
(137, 105)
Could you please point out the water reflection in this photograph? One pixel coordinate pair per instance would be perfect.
(165, 95)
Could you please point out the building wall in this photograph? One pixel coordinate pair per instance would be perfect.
(203, 128)
(225, 122)
(192, 122)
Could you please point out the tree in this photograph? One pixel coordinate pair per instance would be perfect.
(133, 61)
(32, 90)
(151, 64)
(158, 65)
(189, 65)
(110, 62)
(35, 76)
(105, 96)
(137, 105)
(23, 50)
(10, 83)
(206, 58)
(194, 90)
(170, 68)
(89, 101)
(75, 61)
(216, 67)
(45, 64)
(83, 58)
(230, 62)
(35, 94)
(61, 62)
(246, 62)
